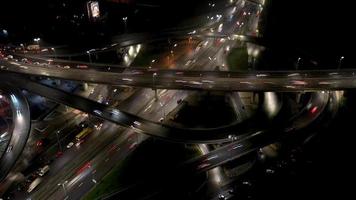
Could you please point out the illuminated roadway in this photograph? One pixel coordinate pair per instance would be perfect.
(138, 124)
(227, 153)
(19, 131)
(200, 80)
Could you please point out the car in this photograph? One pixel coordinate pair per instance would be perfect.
(221, 197)
(78, 143)
(69, 145)
(270, 171)
(98, 126)
(84, 124)
(98, 112)
(82, 66)
(133, 145)
(59, 154)
(66, 67)
(86, 166)
(235, 147)
(9, 148)
(39, 143)
(43, 170)
(201, 166)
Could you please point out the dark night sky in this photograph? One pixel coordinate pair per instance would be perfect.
(318, 27)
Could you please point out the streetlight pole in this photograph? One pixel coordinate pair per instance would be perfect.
(340, 61)
(154, 85)
(37, 40)
(23, 47)
(125, 22)
(164, 110)
(88, 52)
(64, 187)
(298, 62)
(59, 142)
(54, 51)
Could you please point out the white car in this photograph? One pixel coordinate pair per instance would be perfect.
(9, 148)
(70, 145)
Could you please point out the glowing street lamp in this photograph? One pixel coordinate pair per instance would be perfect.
(340, 61)
(37, 40)
(125, 22)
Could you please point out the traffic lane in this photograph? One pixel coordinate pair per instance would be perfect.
(118, 147)
(152, 115)
(292, 74)
(212, 80)
(22, 194)
(102, 167)
(313, 110)
(20, 129)
(86, 185)
(243, 147)
(255, 140)
(215, 158)
(77, 157)
(211, 135)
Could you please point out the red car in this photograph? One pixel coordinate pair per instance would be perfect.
(84, 167)
(59, 154)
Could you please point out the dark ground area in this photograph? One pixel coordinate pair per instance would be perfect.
(203, 109)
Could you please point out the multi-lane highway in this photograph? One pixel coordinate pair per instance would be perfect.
(141, 125)
(200, 80)
(232, 151)
(72, 182)
(138, 124)
(152, 109)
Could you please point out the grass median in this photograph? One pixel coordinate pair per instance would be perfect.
(237, 59)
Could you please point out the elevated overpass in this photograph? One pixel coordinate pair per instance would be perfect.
(138, 124)
(302, 80)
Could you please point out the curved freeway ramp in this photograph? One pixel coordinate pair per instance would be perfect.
(138, 124)
(19, 130)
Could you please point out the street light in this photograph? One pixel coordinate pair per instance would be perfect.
(64, 187)
(59, 143)
(298, 62)
(37, 40)
(23, 46)
(125, 22)
(340, 61)
(154, 87)
(54, 51)
(164, 110)
(88, 52)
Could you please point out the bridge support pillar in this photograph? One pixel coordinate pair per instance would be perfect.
(156, 95)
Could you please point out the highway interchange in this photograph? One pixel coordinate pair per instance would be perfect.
(199, 76)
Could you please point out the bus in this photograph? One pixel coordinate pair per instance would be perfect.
(79, 138)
